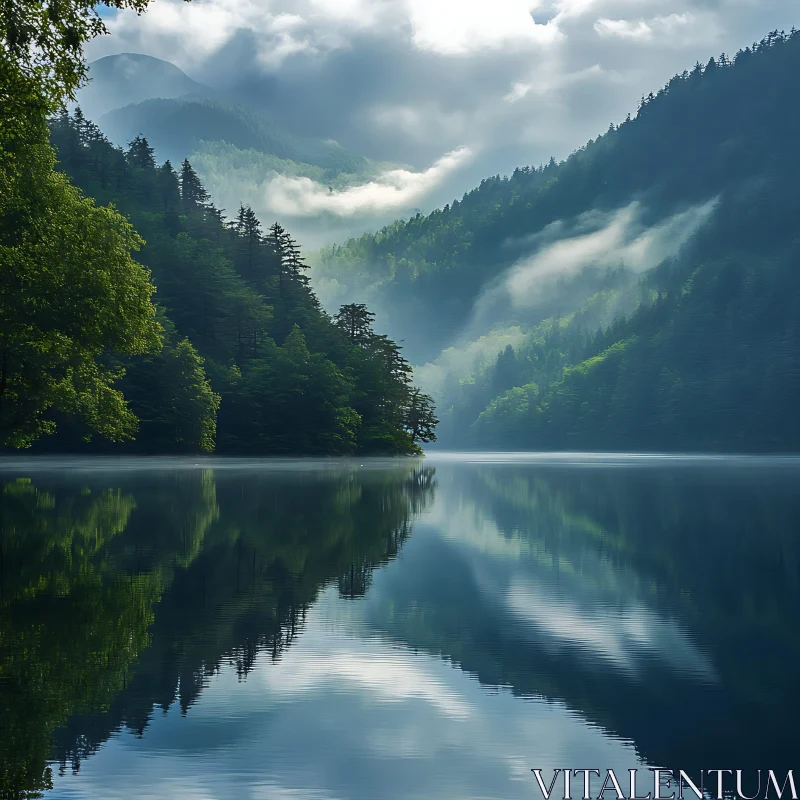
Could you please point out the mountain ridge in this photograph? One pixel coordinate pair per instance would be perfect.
(726, 130)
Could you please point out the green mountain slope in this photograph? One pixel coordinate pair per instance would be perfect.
(719, 129)
(711, 358)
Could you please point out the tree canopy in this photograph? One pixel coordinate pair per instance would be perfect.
(70, 293)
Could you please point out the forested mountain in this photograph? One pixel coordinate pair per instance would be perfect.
(84, 350)
(237, 150)
(119, 80)
(710, 358)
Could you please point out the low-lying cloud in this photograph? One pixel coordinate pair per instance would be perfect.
(393, 190)
(467, 358)
(540, 281)
(597, 240)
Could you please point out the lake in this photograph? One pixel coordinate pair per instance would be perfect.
(419, 628)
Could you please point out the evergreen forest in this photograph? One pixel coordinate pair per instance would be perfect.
(697, 351)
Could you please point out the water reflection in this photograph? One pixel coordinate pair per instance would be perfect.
(393, 630)
(116, 600)
(663, 604)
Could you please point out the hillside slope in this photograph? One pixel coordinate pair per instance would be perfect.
(711, 359)
(244, 333)
(713, 130)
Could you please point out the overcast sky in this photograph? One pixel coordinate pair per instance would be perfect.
(494, 83)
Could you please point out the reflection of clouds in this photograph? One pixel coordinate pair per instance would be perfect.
(368, 669)
(619, 635)
(271, 791)
(575, 597)
(308, 726)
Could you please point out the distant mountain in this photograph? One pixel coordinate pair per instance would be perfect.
(178, 127)
(237, 150)
(120, 80)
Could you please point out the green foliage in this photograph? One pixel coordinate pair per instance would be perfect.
(70, 293)
(279, 394)
(173, 399)
(69, 636)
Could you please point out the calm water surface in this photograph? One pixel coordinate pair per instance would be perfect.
(392, 629)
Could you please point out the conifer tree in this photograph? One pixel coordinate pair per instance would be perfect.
(420, 420)
(169, 187)
(194, 197)
(356, 322)
(140, 155)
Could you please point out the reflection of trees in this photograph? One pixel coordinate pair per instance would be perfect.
(196, 572)
(719, 556)
(67, 634)
(381, 525)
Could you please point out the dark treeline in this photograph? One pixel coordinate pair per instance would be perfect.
(250, 363)
(117, 600)
(710, 360)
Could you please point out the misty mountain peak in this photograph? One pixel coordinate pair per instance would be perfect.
(119, 80)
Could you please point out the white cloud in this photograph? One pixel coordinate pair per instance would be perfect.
(461, 27)
(674, 29)
(624, 29)
(288, 22)
(395, 189)
(545, 82)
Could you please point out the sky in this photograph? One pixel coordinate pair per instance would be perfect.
(455, 90)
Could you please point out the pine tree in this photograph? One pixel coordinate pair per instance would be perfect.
(140, 154)
(169, 187)
(80, 124)
(194, 197)
(356, 322)
(248, 227)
